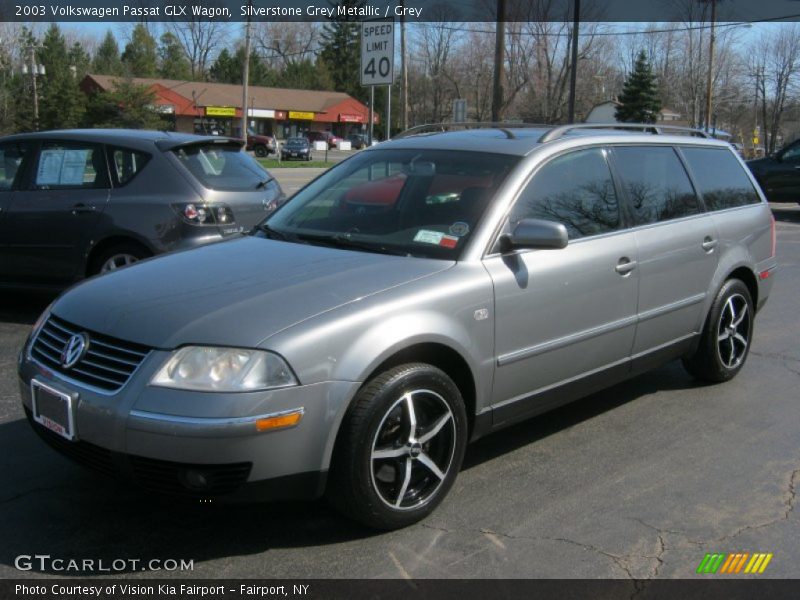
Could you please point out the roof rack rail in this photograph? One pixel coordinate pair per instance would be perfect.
(505, 127)
(655, 129)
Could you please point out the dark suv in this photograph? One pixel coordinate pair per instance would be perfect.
(779, 174)
(75, 203)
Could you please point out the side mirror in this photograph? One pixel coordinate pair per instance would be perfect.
(537, 234)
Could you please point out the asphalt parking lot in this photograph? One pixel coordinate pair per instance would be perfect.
(637, 481)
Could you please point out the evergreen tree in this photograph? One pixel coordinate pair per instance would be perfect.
(305, 75)
(229, 69)
(639, 102)
(140, 58)
(20, 93)
(125, 105)
(107, 60)
(174, 64)
(341, 53)
(61, 103)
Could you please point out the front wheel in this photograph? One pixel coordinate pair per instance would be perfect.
(727, 334)
(400, 448)
(261, 151)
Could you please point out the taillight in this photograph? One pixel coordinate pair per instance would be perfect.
(772, 233)
(205, 214)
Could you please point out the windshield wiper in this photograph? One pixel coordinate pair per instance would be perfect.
(263, 183)
(272, 233)
(341, 240)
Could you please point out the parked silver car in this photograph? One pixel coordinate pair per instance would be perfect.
(416, 296)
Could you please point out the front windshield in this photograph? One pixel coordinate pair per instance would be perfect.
(398, 201)
(296, 142)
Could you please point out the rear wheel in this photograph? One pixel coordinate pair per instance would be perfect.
(725, 341)
(261, 151)
(117, 257)
(400, 447)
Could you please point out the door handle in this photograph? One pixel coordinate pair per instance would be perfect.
(82, 208)
(625, 266)
(709, 244)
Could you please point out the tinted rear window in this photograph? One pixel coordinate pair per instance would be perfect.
(220, 167)
(720, 178)
(657, 184)
(127, 164)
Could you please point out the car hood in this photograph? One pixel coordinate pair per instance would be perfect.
(235, 293)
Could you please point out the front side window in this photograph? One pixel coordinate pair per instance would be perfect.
(222, 167)
(720, 178)
(67, 165)
(657, 184)
(575, 189)
(11, 156)
(411, 202)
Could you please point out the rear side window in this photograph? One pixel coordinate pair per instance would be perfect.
(720, 178)
(575, 189)
(127, 164)
(219, 167)
(656, 182)
(11, 156)
(70, 165)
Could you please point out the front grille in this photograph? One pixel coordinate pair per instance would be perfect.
(170, 477)
(84, 453)
(107, 364)
(158, 476)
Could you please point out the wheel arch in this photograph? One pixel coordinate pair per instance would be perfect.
(748, 277)
(111, 241)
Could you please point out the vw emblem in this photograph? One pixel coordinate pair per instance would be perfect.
(74, 350)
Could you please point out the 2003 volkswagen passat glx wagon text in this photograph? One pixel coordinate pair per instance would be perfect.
(419, 295)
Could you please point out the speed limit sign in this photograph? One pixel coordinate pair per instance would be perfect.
(377, 52)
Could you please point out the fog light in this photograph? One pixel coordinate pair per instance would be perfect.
(194, 479)
(288, 419)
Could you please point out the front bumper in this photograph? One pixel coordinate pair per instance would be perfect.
(164, 438)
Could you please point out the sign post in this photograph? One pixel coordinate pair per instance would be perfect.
(377, 63)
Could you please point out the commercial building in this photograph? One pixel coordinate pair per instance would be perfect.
(203, 107)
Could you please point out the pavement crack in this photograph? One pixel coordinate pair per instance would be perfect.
(29, 492)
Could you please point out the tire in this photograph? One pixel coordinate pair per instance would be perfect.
(261, 151)
(120, 255)
(727, 335)
(416, 467)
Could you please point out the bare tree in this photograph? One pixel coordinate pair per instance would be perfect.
(200, 40)
(286, 44)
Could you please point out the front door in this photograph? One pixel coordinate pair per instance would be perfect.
(49, 223)
(563, 315)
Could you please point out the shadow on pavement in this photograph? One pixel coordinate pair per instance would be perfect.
(54, 507)
(23, 307)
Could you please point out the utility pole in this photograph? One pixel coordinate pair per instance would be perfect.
(710, 82)
(246, 72)
(499, 62)
(404, 68)
(573, 76)
(36, 70)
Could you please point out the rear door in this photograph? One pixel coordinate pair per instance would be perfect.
(676, 242)
(49, 223)
(564, 315)
(14, 159)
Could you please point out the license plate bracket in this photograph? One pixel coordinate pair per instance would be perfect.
(53, 409)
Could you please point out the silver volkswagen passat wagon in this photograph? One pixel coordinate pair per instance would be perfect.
(417, 296)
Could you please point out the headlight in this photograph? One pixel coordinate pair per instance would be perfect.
(210, 369)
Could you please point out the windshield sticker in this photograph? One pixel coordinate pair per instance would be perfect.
(448, 241)
(459, 229)
(426, 236)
